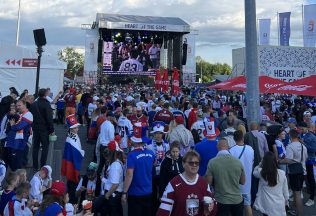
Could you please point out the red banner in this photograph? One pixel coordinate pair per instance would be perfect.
(158, 80)
(165, 81)
(175, 82)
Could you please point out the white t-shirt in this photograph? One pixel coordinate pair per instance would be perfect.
(19, 209)
(216, 104)
(199, 126)
(247, 161)
(131, 65)
(91, 108)
(153, 51)
(36, 187)
(114, 176)
(91, 185)
(106, 133)
(124, 129)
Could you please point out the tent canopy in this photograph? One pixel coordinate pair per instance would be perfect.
(305, 86)
(239, 84)
(143, 23)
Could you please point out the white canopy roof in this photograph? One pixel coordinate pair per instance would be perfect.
(142, 23)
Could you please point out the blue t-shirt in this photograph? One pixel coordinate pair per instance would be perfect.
(5, 198)
(141, 160)
(52, 210)
(207, 150)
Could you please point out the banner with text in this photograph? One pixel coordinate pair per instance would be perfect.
(309, 28)
(289, 74)
(284, 28)
(264, 31)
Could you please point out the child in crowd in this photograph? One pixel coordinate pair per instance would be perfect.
(16, 206)
(89, 186)
(22, 175)
(10, 183)
(72, 158)
(40, 183)
(54, 203)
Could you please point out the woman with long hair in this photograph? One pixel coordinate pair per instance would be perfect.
(273, 191)
(110, 202)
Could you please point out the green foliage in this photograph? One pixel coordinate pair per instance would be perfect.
(209, 70)
(74, 60)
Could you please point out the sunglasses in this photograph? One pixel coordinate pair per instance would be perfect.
(193, 163)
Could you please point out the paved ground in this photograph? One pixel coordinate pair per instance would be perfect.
(61, 132)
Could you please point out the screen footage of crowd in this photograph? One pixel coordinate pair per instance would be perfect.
(131, 55)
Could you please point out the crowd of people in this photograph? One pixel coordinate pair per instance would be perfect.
(158, 154)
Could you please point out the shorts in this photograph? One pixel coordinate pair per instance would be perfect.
(296, 181)
(247, 199)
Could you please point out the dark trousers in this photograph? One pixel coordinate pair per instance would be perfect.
(40, 137)
(16, 157)
(230, 209)
(139, 205)
(310, 180)
(111, 207)
(25, 155)
(60, 116)
(254, 188)
(71, 189)
(102, 159)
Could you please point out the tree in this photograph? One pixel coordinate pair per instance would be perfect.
(209, 70)
(74, 60)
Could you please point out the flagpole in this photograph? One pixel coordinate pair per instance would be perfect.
(18, 25)
(278, 24)
(303, 24)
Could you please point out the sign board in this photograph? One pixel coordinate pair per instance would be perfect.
(281, 62)
(29, 62)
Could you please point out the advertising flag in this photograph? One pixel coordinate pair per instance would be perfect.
(309, 28)
(158, 80)
(175, 82)
(165, 81)
(264, 31)
(284, 28)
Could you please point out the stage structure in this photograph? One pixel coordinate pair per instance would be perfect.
(136, 45)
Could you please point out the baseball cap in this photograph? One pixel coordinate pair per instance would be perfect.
(58, 189)
(307, 113)
(291, 120)
(179, 120)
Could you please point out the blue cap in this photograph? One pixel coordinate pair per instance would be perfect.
(291, 120)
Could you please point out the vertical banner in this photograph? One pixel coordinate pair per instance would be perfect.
(175, 82)
(107, 55)
(264, 31)
(158, 80)
(309, 28)
(165, 81)
(90, 74)
(189, 70)
(284, 28)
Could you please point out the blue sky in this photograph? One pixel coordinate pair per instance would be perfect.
(220, 22)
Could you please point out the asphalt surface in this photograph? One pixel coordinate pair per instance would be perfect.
(56, 156)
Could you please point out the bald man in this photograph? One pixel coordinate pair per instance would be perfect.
(226, 172)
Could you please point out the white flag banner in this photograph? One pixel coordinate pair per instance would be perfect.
(91, 55)
(309, 28)
(264, 31)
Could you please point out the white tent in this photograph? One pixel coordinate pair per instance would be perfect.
(18, 69)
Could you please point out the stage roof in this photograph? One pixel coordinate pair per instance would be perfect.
(142, 23)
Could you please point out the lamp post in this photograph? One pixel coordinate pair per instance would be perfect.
(39, 52)
(252, 76)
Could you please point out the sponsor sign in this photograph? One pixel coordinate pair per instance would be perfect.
(146, 73)
(289, 74)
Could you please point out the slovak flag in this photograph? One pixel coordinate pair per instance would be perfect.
(72, 158)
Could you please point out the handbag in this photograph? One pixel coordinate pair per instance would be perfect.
(296, 167)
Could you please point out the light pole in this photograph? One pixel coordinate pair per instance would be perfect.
(252, 76)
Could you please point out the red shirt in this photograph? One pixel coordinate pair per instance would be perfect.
(142, 119)
(70, 100)
(184, 198)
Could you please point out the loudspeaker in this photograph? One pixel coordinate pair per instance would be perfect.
(100, 49)
(39, 37)
(184, 53)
